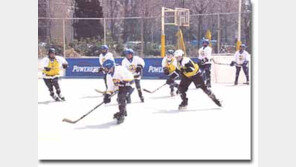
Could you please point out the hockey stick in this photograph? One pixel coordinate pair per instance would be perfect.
(220, 63)
(99, 91)
(155, 89)
(73, 122)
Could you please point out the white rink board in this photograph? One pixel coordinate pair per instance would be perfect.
(152, 130)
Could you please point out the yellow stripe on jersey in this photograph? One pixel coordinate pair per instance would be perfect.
(54, 68)
(192, 73)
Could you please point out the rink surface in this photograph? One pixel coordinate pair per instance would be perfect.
(152, 130)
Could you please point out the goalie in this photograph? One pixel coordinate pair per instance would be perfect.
(169, 65)
(241, 60)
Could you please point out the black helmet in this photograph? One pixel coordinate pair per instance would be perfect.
(51, 50)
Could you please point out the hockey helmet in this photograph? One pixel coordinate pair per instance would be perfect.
(108, 64)
(178, 53)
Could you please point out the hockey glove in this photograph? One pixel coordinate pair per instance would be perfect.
(205, 60)
(65, 66)
(101, 69)
(166, 71)
(233, 63)
(139, 68)
(245, 63)
(107, 98)
(47, 68)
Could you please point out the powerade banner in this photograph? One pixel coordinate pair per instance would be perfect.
(89, 67)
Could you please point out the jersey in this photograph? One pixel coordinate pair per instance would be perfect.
(132, 64)
(205, 52)
(119, 74)
(240, 58)
(55, 66)
(171, 65)
(189, 67)
(107, 56)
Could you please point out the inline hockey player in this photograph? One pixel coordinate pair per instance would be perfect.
(118, 78)
(135, 65)
(189, 72)
(52, 66)
(105, 55)
(241, 59)
(205, 55)
(169, 65)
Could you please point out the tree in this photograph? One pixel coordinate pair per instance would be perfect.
(88, 28)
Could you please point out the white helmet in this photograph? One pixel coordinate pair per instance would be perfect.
(178, 53)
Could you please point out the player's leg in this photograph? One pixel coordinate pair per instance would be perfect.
(48, 83)
(55, 82)
(138, 86)
(128, 95)
(208, 75)
(122, 92)
(172, 87)
(198, 80)
(105, 80)
(237, 74)
(183, 87)
(246, 71)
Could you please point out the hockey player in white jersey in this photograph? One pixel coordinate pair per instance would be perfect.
(205, 56)
(105, 55)
(52, 66)
(169, 65)
(241, 59)
(118, 78)
(135, 65)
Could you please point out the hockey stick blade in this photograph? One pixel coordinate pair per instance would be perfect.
(69, 121)
(147, 91)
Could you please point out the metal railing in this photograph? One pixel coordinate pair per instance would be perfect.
(78, 37)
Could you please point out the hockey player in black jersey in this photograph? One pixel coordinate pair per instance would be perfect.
(189, 72)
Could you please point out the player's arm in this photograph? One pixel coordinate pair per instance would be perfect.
(44, 64)
(140, 65)
(63, 61)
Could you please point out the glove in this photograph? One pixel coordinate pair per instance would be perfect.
(101, 69)
(232, 63)
(136, 76)
(166, 71)
(203, 61)
(169, 81)
(65, 66)
(107, 98)
(47, 68)
(182, 70)
(245, 63)
(139, 68)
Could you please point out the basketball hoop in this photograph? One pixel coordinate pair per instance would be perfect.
(182, 17)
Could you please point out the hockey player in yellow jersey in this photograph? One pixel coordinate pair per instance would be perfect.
(189, 72)
(169, 65)
(51, 66)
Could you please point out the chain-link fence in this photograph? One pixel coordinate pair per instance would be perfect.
(79, 37)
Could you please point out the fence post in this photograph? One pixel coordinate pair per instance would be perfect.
(64, 39)
(142, 37)
(219, 35)
(105, 31)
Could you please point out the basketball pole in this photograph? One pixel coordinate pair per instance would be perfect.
(162, 53)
